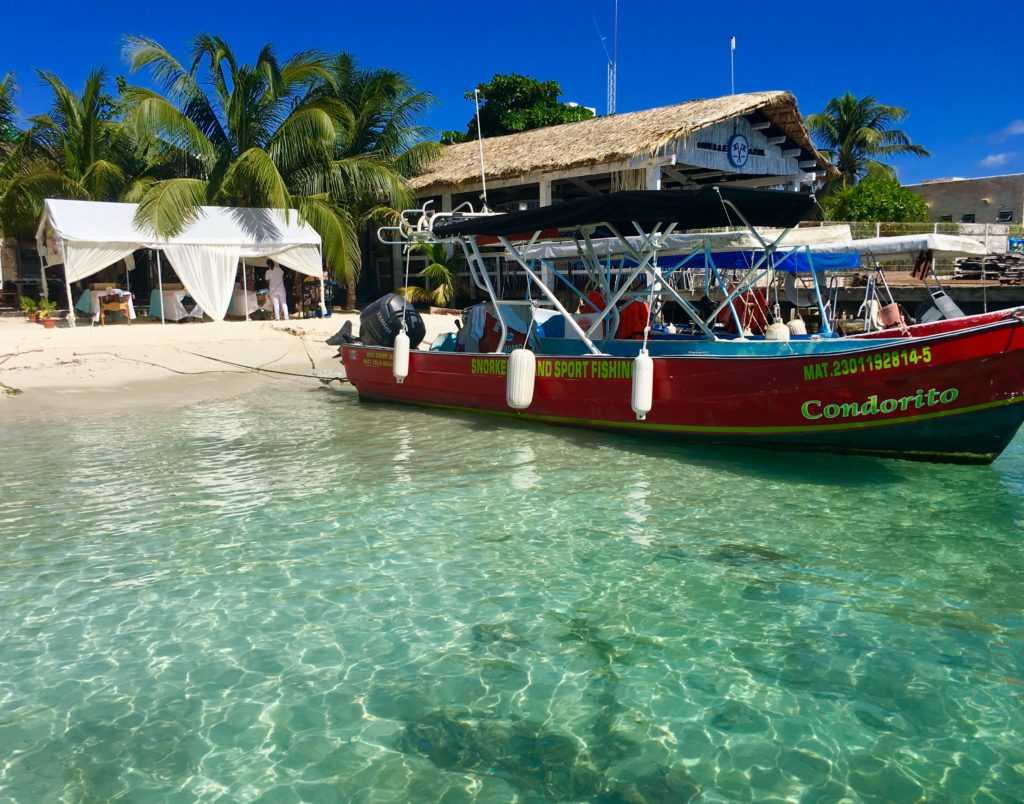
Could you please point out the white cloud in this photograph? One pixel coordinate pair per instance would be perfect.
(997, 160)
(1014, 129)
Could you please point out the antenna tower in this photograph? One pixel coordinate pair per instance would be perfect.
(612, 59)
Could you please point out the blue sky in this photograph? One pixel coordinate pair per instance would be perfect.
(959, 73)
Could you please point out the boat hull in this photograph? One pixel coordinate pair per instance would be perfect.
(955, 397)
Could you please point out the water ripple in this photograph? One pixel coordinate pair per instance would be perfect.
(298, 597)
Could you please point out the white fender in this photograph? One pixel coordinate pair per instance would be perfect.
(797, 326)
(643, 384)
(873, 314)
(776, 331)
(520, 379)
(400, 366)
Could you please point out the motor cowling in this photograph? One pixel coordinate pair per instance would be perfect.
(381, 321)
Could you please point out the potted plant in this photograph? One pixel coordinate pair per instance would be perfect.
(46, 309)
(29, 308)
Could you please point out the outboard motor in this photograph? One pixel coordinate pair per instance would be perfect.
(381, 321)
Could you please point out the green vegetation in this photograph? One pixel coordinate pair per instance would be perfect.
(313, 132)
(440, 275)
(856, 133)
(46, 308)
(511, 103)
(876, 198)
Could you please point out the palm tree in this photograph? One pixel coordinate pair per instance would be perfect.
(27, 175)
(270, 134)
(82, 140)
(251, 141)
(854, 133)
(379, 145)
(8, 110)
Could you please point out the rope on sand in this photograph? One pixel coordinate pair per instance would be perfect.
(260, 370)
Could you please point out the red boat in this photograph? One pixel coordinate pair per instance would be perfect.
(954, 395)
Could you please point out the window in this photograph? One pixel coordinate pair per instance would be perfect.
(1004, 216)
(967, 217)
(946, 219)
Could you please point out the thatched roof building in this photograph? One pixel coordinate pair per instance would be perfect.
(684, 145)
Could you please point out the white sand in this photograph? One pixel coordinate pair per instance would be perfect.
(64, 371)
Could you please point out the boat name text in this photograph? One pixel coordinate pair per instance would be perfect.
(816, 409)
(879, 361)
(560, 369)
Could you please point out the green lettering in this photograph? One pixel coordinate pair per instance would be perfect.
(805, 409)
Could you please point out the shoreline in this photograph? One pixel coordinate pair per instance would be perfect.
(89, 370)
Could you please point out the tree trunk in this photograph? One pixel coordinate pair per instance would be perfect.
(350, 294)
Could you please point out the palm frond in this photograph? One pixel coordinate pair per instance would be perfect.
(304, 138)
(144, 53)
(154, 118)
(415, 159)
(253, 179)
(167, 207)
(104, 180)
(339, 236)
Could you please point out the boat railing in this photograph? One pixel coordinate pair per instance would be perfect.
(417, 225)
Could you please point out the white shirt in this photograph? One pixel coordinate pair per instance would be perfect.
(275, 280)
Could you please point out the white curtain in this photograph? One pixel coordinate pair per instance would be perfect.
(304, 259)
(208, 272)
(85, 259)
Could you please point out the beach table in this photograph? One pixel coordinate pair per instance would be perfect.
(89, 302)
(170, 303)
(249, 302)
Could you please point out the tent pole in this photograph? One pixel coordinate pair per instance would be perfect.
(160, 284)
(323, 307)
(67, 286)
(245, 292)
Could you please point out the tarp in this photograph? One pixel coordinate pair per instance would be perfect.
(939, 244)
(88, 236)
(688, 209)
(716, 242)
(792, 261)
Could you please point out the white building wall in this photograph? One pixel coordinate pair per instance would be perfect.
(983, 198)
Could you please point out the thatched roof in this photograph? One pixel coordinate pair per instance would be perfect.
(604, 140)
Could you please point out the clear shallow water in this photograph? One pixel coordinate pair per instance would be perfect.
(295, 597)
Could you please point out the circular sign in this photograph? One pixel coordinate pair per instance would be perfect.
(739, 150)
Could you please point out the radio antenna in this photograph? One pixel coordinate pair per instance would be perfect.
(732, 65)
(480, 141)
(610, 60)
(613, 89)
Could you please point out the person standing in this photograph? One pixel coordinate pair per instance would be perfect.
(276, 291)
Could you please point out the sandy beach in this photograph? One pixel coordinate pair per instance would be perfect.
(89, 369)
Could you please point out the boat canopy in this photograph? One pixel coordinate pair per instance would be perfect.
(686, 244)
(706, 208)
(946, 245)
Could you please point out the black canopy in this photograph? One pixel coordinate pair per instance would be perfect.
(689, 209)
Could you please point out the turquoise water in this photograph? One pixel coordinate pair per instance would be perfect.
(293, 597)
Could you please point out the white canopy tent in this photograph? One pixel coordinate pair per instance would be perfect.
(88, 236)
